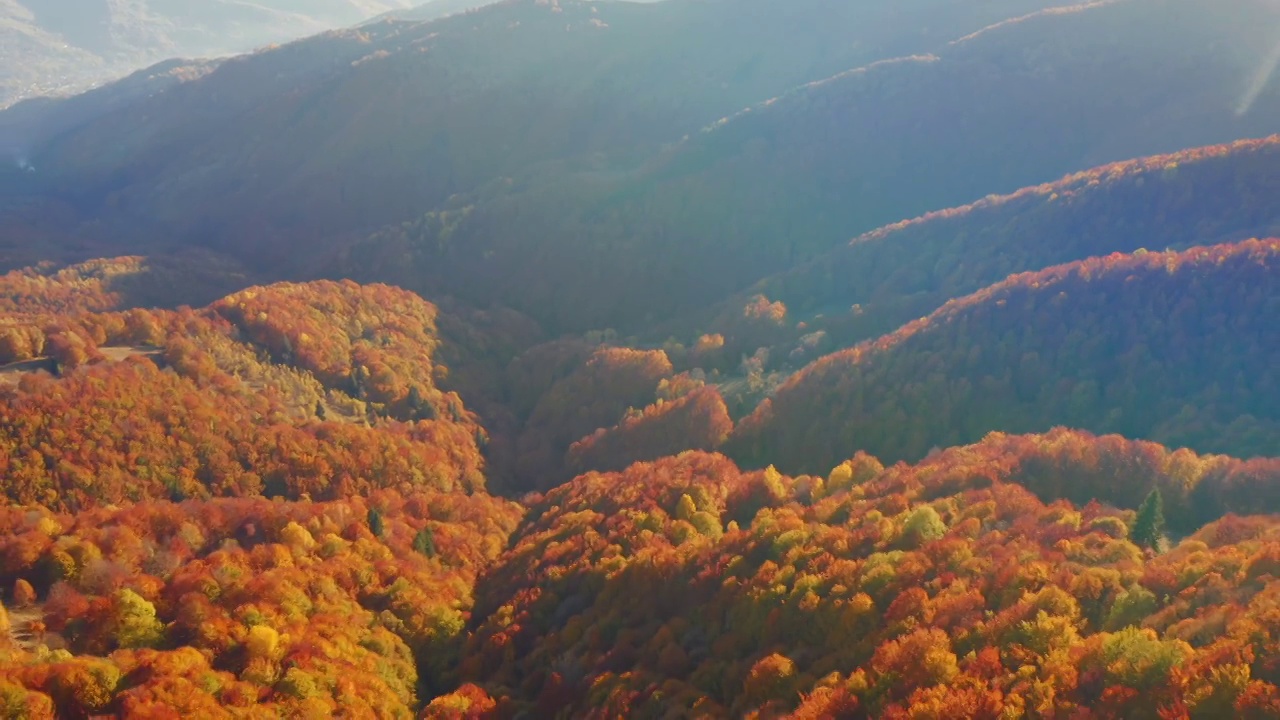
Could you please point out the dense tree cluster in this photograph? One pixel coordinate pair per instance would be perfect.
(1175, 347)
(1078, 466)
(321, 390)
(188, 277)
(130, 431)
(562, 407)
(934, 591)
(143, 571)
(374, 342)
(242, 607)
(532, 374)
(84, 287)
(696, 421)
(596, 394)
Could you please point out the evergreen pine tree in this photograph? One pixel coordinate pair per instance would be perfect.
(375, 522)
(1148, 527)
(425, 542)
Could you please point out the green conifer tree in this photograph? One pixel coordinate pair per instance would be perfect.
(1148, 527)
(425, 542)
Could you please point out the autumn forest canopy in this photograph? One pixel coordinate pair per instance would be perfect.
(595, 358)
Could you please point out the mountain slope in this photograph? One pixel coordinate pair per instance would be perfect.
(697, 420)
(687, 586)
(901, 272)
(595, 394)
(1173, 347)
(318, 390)
(122, 283)
(264, 506)
(351, 131)
(229, 607)
(770, 188)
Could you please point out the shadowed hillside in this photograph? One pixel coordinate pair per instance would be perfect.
(791, 178)
(348, 132)
(898, 273)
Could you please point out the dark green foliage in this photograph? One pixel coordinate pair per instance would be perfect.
(375, 522)
(425, 542)
(1148, 526)
(419, 408)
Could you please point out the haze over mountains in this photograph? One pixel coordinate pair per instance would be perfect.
(530, 134)
(58, 46)
(695, 358)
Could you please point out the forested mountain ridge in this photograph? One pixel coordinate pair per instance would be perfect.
(354, 130)
(685, 583)
(122, 283)
(320, 390)
(1174, 347)
(941, 590)
(860, 592)
(890, 276)
(1017, 105)
(264, 506)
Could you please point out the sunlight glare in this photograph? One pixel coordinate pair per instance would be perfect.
(1260, 80)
